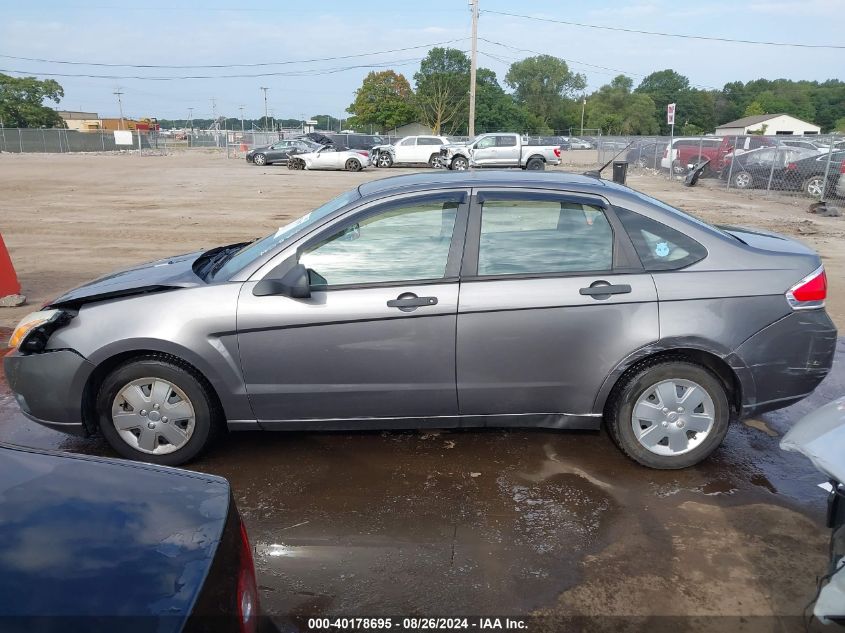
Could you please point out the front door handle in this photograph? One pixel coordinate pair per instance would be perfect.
(602, 290)
(408, 302)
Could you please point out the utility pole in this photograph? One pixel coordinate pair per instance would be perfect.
(583, 106)
(473, 61)
(119, 92)
(241, 108)
(265, 106)
(214, 112)
(191, 118)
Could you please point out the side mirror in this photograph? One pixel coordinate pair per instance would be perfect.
(294, 284)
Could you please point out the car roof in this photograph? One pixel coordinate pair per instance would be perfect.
(440, 179)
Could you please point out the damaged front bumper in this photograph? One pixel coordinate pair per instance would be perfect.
(49, 387)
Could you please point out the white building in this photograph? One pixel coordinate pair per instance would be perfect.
(771, 124)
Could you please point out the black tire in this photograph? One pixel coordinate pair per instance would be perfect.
(813, 186)
(640, 378)
(459, 163)
(742, 180)
(535, 164)
(353, 165)
(384, 160)
(207, 418)
(678, 168)
(259, 160)
(433, 160)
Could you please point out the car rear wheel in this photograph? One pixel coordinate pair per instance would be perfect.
(353, 165)
(384, 160)
(814, 186)
(459, 163)
(535, 164)
(668, 413)
(156, 410)
(259, 160)
(742, 180)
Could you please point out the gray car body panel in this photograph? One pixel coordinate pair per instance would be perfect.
(490, 352)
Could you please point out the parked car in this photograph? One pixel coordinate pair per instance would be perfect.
(646, 154)
(786, 168)
(804, 144)
(498, 150)
(839, 186)
(330, 157)
(441, 300)
(280, 151)
(578, 143)
(559, 141)
(820, 436)
(411, 150)
(690, 151)
(100, 545)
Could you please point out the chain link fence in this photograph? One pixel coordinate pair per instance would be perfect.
(61, 141)
(810, 166)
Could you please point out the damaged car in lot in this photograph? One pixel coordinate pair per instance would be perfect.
(411, 150)
(331, 157)
(441, 299)
(101, 545)
(280, 151)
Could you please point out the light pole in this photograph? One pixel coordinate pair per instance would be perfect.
(118, 92)
(241, 108)
(474, 8)
(583, 106)
(265, 106)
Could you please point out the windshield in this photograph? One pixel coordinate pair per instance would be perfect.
(256, 249)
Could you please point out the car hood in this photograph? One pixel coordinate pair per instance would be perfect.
(820, 436)
(90, 536)
(162, 274)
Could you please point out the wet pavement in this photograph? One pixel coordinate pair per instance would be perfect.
(517, 522)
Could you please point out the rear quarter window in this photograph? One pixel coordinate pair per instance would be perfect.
(658, 246)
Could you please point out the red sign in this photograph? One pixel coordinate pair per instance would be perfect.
(670, 114)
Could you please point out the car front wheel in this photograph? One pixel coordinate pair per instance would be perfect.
(259, 160)
(743, 180)
(814, 187)
(460, 164)
(154, 409)
(668, 414)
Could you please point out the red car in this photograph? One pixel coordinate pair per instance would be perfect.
(689, 152)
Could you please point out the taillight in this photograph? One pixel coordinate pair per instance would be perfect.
(666, 152)
(792, 166)
(247, 587)
(842, 167)
(364, 153)
(810, 292)
(557, 152)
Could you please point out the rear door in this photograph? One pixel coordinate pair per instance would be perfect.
(427, 146)
(507, 150)
(376, 339)
(552, 298)
(406, 150)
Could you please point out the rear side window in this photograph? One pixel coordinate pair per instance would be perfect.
(529, 237)
(659, 246)
(505, 141)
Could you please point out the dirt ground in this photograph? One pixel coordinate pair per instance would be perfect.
(69, 218)
(481, 522)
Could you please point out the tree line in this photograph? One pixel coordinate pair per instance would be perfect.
(544, 96)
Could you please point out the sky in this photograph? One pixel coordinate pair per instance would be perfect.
(221, 32)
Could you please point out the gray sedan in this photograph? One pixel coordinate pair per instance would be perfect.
(442, 300)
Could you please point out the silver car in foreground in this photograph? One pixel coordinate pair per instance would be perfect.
(441, 299)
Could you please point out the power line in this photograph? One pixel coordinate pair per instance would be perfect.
(299, 73)
(250, 65)
(658, 33)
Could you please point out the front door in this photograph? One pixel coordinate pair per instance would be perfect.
(552, 299)
(484, 152)
(376, 339)
(406, 150)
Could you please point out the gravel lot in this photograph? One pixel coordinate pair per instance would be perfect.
(444, 523)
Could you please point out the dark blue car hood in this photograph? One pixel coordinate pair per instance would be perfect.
(92, 537)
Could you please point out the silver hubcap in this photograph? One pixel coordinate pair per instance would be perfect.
(673, 417)
(743, 180)
(460, 165)
(153, 416)
(383, 161)
(259, 160)
(814, 188)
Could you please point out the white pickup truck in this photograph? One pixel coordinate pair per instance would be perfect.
(498, 150)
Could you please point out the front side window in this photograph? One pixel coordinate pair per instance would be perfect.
(659, 246)
(525, 237)
(409, 242)
(487, 141)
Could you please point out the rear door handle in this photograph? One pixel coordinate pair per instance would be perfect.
(599, 289)
(408, 301)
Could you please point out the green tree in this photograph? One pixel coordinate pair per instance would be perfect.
(614, 109)
(442, 96)
(541, 84)
(664, 87)
(495, 110)
(384, 99)
(839, 125)
(754, 108)
(22, 102)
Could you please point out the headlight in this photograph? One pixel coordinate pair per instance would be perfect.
(44, 321)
